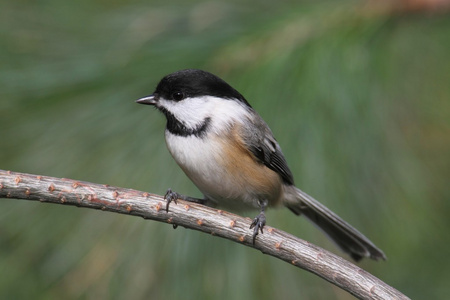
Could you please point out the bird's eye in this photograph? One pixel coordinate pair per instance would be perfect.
(178, 96)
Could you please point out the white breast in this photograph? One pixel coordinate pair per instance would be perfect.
(193, 154)
(201, 161)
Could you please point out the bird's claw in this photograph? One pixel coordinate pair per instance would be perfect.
(258, 224)
(169, 197)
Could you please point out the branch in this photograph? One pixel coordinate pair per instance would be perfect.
(193, 216)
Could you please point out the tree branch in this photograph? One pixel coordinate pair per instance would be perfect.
(209, 220)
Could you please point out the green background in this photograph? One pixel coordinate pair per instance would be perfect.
(357, 96)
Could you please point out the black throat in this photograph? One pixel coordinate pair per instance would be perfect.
(176, 127)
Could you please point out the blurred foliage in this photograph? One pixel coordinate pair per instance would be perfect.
(357, 97)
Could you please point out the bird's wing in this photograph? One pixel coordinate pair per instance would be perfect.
(260, 141)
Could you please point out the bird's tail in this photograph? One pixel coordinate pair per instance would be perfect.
(343, 234)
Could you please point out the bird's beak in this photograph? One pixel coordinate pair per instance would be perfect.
(149, 100)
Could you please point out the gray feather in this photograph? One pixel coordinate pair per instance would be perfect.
(265, 148)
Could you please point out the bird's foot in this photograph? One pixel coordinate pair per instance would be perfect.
(260, 221)
(171, 196)
(258, 224)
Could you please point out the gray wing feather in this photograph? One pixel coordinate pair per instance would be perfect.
(260, 141)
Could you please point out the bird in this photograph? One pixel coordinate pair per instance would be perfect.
(229, 152)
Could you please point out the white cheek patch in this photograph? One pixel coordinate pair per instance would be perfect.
(193, 111)
(189, 111)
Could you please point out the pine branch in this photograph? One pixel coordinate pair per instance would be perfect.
(193, 216)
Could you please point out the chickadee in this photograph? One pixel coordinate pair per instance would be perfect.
(228, 151)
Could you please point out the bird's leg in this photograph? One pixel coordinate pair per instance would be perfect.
(172, 196)
(260, 221)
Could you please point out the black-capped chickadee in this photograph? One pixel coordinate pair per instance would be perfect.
(231, 155)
